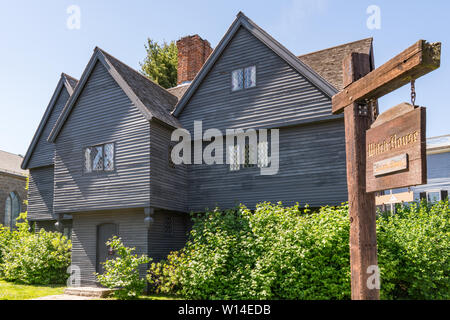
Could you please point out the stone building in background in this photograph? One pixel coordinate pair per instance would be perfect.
(13, 181)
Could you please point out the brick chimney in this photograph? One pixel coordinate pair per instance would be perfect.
(192, 54)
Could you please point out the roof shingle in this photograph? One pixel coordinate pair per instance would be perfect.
(328, 62)
(155, 98)
(10, 163)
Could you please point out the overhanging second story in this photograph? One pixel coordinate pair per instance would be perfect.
(103, 138)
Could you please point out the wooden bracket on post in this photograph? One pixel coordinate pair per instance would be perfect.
(416, 61)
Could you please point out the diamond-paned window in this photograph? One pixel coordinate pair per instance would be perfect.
(237, 79)
(168, 226)
(250, 77)
(108, 159)
(244, 78)
(87, 160)
(249, 156)
(234, 158)
(263, 154)
(99, 158)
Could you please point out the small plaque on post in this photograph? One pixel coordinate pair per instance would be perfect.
(391, 165)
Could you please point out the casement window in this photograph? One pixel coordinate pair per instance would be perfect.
(243, 78)
(234, 158)
(249, 159)
(12, 209)
(99, 158)
(434, 195)
(263, 154)
(169, 226)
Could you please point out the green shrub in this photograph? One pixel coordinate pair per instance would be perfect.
(414, 252)
(34, 258)
(122, 272)
(273, 252)
(281, 252)
(163, 277)
(5, 238)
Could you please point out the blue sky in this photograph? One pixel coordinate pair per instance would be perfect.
(37, 45)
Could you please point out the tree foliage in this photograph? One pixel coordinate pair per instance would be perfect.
(161, 62)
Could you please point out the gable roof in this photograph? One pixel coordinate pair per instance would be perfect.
(153, 101)
(71, 83)
(10, 163)
(65, 81)
(328, 62)
(243, 21)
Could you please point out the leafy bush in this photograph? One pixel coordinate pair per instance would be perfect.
(5, 238)
(274, 252)
(414, 252)
(163, 276)
(122, 272)
(33, 258)
(281, 252)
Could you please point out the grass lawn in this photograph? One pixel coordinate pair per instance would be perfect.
(151, 297)
(12, 291)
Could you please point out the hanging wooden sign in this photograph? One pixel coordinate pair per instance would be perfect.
(396, 149)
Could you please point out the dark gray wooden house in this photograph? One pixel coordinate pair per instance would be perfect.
(104, 144)
(39, 161)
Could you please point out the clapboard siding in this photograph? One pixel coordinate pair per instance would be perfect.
(281, 97)
(438, 173)
(168, 185)
(311, 171)
(40, 193)
(44, 151)
(49, 225)
(131, 229)
(160, 242)
(312, 141)
(103, 113)
(438, 165)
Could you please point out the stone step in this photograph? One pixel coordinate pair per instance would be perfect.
(88, 292)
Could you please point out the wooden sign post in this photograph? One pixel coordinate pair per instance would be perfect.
(362, 85)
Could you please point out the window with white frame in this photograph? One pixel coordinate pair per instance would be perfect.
(243, 78)
(99, 158)
(434, 196)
